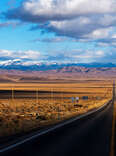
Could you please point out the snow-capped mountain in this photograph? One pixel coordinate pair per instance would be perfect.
(17, 64)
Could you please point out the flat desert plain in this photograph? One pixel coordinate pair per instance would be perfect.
(28, 106)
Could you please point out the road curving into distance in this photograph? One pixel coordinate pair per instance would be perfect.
(87, 135)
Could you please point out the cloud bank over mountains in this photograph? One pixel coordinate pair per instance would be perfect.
(35, 57)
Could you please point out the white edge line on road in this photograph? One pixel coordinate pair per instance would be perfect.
(53, 128)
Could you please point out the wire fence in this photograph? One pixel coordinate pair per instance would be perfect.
(56, 95)
(25, 109)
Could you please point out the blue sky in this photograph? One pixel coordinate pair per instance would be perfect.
(33, 31)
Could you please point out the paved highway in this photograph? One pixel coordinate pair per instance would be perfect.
(87, 136)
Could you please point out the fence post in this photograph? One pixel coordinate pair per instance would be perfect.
(52, 95)
(12, 99)
(62, 97)
(37, 98)
(12, 94)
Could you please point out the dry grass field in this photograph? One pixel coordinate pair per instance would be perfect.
(26, 106)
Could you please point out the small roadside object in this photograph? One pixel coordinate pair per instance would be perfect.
(85, 98)
(77, 99)
(73, 99)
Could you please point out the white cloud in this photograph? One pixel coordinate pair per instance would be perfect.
(83, 20)
(17, 55)
(74, 55)
(114, 36)
(89, 55)
(72, 18)
(99, 53)
(81, 28)
(30, 54)
(61, 9)
(5, 53)
(100, 33)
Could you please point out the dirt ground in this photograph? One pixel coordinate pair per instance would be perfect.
(24, 106)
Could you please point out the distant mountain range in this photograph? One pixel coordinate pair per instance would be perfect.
(49, 72)
(17, 65)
